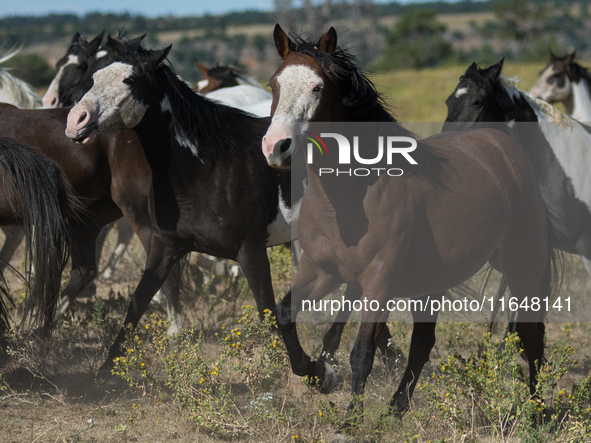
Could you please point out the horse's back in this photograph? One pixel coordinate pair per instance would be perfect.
(492, 152)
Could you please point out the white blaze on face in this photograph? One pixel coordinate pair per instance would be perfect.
(461, 91)
(51, 97)
(101, 54)
(299, 98)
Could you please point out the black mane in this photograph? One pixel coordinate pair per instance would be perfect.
(217, 130)
(228, 75)
(580, 72)
(362, 100)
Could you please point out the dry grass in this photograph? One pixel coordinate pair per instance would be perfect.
(50, 394)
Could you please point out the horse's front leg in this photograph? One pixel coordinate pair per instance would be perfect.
(310, 283)
(161, 259)
(254, 263)
(125, 233)
(332, 338)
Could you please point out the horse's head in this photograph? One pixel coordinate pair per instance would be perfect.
(70, 70)
(216, 78)
(476, 99)
(555, 80)
(115, 46)
(119, 96)
(302, 92)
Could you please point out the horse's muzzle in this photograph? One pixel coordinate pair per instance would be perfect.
(281, 156)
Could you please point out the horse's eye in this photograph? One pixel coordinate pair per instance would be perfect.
(317, 88)
(561, 81)
(128, 81)
(479, 102)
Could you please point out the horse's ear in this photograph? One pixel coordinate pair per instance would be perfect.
(282, 42)
(202, 68)
(472, 68)
(96, 42)
(571, 57)
(552, 56)
(136, 41)
(157, 57)
(116, 43)
(328, 42)
(76, 38)
(494, 71)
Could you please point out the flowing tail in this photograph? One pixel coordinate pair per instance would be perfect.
(40, 198)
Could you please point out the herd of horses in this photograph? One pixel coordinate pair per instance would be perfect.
(211, 171)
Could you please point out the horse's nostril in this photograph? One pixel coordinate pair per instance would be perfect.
(285, 145)
(83, 117)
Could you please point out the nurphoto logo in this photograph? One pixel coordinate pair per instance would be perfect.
(382, 157)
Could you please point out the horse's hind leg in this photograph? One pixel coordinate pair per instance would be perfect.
(422, 341)
(84, 232)
(527, 269)
(14, 237)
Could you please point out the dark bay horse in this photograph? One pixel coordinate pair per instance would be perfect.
(212, 190)
(556, 145)
(564, 80)
(35, 194)
(468, 198)
(111, 176)
(220, 77)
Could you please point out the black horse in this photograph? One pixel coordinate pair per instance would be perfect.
(556, 145)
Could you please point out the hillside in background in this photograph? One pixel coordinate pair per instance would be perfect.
(472, 30)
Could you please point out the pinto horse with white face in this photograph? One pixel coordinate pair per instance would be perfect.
(558, 147)
(70, 70)
(564, 80)
(471, 198)
(212, 191)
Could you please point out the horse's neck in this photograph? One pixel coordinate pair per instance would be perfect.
(581, 98)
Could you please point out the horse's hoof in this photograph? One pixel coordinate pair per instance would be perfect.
(398, 407)
(343, 438)
(327, 377)
(88, 291)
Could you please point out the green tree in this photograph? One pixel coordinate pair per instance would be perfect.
(523, 22)
(417, 42)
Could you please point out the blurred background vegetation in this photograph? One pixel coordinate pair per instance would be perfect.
(384, 37)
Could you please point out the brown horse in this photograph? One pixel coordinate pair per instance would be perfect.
(112, 178)
(463, 199)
